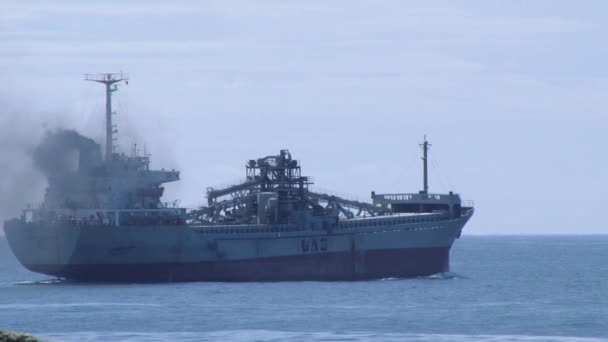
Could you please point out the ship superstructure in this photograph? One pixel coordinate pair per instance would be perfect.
(117, 189)
(103, 220)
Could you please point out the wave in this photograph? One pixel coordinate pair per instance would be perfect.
(41, 282)
(444, 275)
(272, 335)
(69, 305)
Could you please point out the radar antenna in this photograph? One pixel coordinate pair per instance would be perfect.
(109, 80)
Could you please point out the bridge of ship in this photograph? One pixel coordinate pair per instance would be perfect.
(422, 202)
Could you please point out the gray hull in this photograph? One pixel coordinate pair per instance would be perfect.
(360, 249)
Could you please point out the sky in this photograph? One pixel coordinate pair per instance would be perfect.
(513, 95)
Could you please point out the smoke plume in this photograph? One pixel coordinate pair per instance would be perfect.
(63, 151)
(29, 157)
(20, 183)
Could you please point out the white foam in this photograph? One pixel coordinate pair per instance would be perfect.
(444, 275)
(39, 282)
(389, 279)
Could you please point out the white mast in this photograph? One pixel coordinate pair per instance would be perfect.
(109, 80)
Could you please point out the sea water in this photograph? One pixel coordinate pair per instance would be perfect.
(500, 288)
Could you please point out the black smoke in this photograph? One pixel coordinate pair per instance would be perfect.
(32, 155)
(60, 150)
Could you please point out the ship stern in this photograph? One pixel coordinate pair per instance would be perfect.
(41, 248)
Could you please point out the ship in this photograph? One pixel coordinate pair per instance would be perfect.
(102, 219)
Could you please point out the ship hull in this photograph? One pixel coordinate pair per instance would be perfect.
(410, 262)
(165, 254)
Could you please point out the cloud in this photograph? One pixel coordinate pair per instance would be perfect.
(240, 8)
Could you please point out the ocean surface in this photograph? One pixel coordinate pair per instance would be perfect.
(513, 288)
